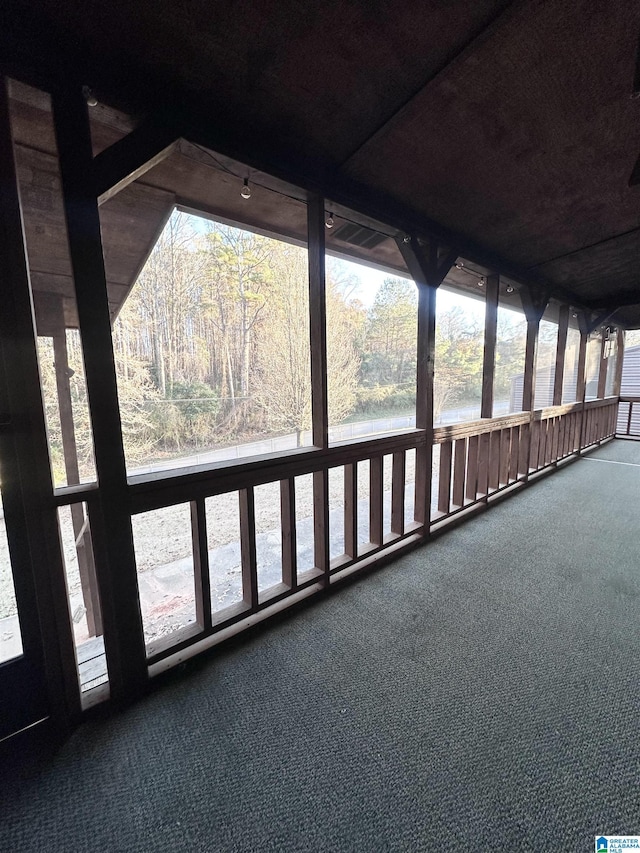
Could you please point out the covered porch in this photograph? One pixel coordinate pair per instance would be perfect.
(478, 693)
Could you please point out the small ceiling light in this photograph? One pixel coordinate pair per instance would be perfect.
(245, 192)
(459, 265)
(90, 98)
(406, 239)
(510, 288)
(329, 221)
(481, 281)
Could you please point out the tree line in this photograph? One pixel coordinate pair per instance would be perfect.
(212, 346)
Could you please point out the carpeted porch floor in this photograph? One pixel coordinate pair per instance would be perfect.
(482, 692)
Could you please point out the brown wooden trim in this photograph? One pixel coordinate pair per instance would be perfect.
(528, 388)
(505, 455)
(617, 379)
(444, 478)
(459, 466)
(489, 354)
(472, 467)
(130, 158)
(318, 324)
(288, 532)
(466, 430)
(376, 496)
(561, 348)
(248, 547)
(483, 464)
(27, 487)
(202, 584)
(397, 492)
(321, 523)
(351, 510)
(116, 568)
(582, 362)
(602, 371)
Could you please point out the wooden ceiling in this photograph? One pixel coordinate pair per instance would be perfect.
(507, 128)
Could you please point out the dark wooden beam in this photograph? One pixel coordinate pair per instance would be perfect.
(131, 157)
(617, 381)
(602, 370)
(490, 333)
(115, 561)
(534, 303)
(31, 523)
(318, 313)
(563, 328)
(428, 271)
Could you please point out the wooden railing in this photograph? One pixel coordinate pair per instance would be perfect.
(629, 417)
(480, 458)
(472, 462)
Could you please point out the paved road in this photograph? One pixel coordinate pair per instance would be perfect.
(344, 432)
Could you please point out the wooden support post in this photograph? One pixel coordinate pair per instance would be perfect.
(32, 524)
(490, 333)
(602, 369)
(563, 328)
(428, 271)
(81, 530)
(617, 379)
(116, 567)
(318, 316)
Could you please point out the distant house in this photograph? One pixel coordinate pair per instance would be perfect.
(544, 388)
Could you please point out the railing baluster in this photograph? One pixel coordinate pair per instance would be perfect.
(483, 464)
(376, 500)
(444, 478)
(397, 492)
(494, 460)
(202, 584)
(629, 419)
(534, 445)
(515, 454)
(351, 510)
(248, 547)
(505, 452)
(459, 471)
(321, 522)
(472, 468)
(288, 521)
(523, 455)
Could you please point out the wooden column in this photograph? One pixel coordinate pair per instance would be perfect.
(115, 563)
(617, 380)
(81, 530)
(534, 304)
(318, 325)
(32, 527)
(563, 328)
(428, 270)
(490, 333)
(319, 395)
(602, 371)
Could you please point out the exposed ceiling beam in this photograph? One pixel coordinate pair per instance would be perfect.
(584, 248)
(477, 39)
(130, 157)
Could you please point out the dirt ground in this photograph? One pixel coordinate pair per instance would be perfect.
(163, 536)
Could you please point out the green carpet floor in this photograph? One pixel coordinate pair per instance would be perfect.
(481, 693)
